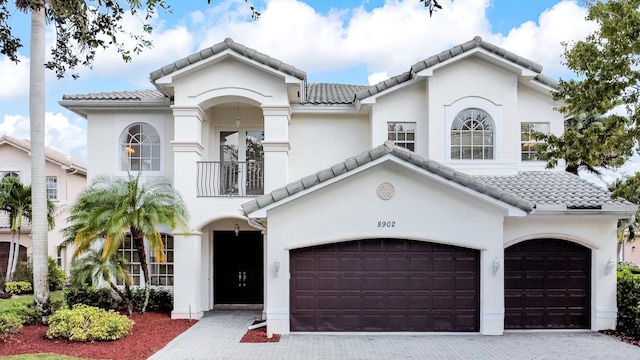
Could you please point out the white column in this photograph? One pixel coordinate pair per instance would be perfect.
(492, 290)
(604, 281)
(187, 299)
(187, 151)
(276, 146)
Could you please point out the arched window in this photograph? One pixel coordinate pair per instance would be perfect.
(140, 147)
(11, 174)
(472, 135)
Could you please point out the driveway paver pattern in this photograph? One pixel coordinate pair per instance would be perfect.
(218, 334)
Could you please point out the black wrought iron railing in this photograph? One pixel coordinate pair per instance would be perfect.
(242, 178)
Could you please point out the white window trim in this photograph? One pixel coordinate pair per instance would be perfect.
(494, 110)
(57, 188)
(537, 142)
(120, 130)
(415, 134)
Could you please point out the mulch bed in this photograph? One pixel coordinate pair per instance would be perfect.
(622, 337)
(259, 335)
(151, 332)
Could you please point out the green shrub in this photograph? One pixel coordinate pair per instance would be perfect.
(9, 324)
(18, 287)
(628, 301)
(14, 316)
(57, 276)
(88, 323)
(160, 300)
(26, 313)
(102, 298)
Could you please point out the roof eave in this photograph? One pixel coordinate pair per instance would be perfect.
(82, 107)
(618, 210)
(165, 81)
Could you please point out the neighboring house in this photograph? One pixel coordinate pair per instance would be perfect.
(66, 178)
(412, 205)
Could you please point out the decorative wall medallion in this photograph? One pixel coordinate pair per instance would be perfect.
(385, 191)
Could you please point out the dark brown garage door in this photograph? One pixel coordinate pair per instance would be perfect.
(385, 285)
(547, 285)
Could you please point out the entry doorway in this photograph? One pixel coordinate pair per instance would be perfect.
(238, 269)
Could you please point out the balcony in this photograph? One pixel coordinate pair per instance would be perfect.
(230, 179)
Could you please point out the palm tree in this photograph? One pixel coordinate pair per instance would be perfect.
(627, 188)
(16, 202)
(115, 209)
(92, 268)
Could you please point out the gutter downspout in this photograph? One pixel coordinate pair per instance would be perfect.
(257, 224)
(263, 228)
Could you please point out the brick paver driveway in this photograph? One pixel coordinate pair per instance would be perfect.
(217, 336)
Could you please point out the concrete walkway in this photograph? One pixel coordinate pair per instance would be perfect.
(218, 334)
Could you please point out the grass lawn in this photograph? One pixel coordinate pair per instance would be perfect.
(26, 300)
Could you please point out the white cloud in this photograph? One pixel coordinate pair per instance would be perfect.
(390, 38)
(66, 136)
(377, 77)
(15, 78)
(564, 22)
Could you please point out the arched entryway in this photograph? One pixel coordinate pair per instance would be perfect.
(547, 285)
(385, 285)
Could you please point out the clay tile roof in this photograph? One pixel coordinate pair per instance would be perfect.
(451, 53)
(525, 190)
(317, 93)
(555, 188)
(126, 96)
(50, 154)
(228, 44)
(325, 93)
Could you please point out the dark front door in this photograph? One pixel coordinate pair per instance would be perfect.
(547, 285)
(238, 267)
(385, 285)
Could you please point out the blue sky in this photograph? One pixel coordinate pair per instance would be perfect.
(348, 41)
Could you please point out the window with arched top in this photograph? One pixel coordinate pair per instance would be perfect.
(140, 148)
(472, 135)
(11, 174)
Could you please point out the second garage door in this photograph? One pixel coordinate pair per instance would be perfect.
(547, 285)
(385, 285)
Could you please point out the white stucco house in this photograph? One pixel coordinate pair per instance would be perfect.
(66, 178)
(412, 205)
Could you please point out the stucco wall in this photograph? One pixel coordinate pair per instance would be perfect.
(69, 185)
(422, 208)
(320, 141)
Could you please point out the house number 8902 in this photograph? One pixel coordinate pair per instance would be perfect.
(386, 224)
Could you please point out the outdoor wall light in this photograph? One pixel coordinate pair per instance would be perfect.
(608, 269)
(276, 267)
(495, 265)
(236, 229)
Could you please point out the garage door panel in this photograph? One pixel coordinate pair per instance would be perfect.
(397, 283)
(370, 283)
(304, 283)
(327, 283)
(392, 285)
(419, 283)
(418, 265)
(304, 264)
(327, 264)
(547, 285)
